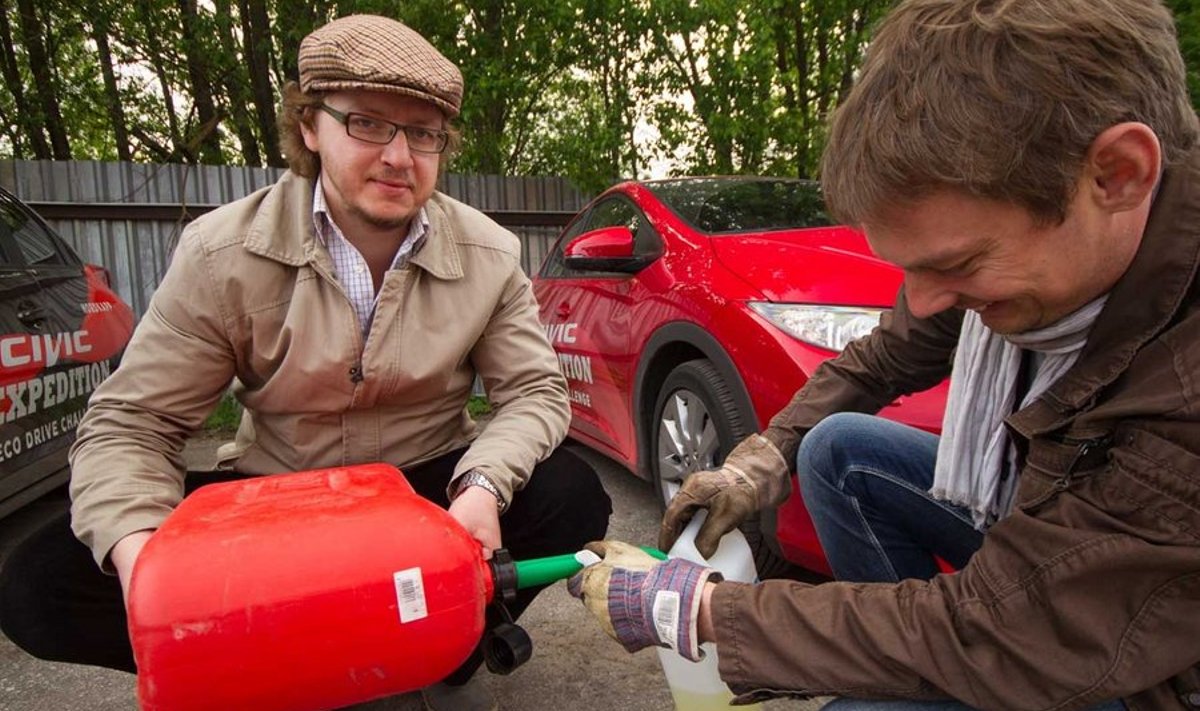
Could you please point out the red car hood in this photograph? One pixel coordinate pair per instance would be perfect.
(815, 266)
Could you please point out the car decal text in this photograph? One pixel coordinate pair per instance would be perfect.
(28, 396)
(46, 349)
(573, 366)
(560, 332)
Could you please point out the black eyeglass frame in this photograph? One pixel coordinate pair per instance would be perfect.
(344, 119)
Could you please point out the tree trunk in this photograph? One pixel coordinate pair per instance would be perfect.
(256, 34)
(301, 19)
(857, 37)
(27, 116)
(116, 112)
(206, 142)
(784, 45)
(491, 118)
(179, 149)
(718, 139)
(43, 81)
(234, 79)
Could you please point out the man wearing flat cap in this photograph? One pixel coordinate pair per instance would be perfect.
(351, 306)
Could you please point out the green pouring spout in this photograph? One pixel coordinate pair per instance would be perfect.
(543, 571)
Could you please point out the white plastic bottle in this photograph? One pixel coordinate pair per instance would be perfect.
(697, 686)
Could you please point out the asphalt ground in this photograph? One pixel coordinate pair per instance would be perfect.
(574, 665)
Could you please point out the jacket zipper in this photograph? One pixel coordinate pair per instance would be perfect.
(356, 369)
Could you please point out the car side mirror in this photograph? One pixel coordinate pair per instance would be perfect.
(608, 249)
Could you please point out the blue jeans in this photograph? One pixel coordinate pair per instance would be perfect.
(865, 481)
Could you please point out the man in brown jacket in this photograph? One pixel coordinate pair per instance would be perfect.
(352, 306)
(1032, 167)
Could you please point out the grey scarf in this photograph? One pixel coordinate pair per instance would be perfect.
(974, 467)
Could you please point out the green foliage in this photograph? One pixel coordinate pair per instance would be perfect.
(228, 413)
(1187, 24)
(596, 90)
(225, 418)
(478, 405)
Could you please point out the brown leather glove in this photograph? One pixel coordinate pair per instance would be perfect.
(754, 476)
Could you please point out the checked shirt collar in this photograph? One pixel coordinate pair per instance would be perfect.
(349, 267)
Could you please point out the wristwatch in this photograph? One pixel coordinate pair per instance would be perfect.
(477, 478)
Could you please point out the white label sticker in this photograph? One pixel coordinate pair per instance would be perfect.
(586, 558)
(410, 595)
(666, 617)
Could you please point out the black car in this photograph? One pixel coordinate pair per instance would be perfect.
(62, 328)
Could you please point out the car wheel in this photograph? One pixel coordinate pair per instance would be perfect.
(696, 423)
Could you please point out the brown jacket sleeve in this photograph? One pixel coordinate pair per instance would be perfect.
(1090, 590)
(1087, 596)
(1054, 612)
(903, 356)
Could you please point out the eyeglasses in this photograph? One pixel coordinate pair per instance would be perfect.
(421, 139)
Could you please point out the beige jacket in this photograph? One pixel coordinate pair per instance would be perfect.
(250, 297)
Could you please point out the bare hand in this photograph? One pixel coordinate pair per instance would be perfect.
(123, 556)
(475, 509)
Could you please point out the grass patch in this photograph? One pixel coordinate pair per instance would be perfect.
(478, 405)
(225, 419)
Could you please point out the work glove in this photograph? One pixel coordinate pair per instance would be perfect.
(755, 476)
(641, 601)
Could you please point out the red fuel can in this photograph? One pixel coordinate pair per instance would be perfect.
(302, 591)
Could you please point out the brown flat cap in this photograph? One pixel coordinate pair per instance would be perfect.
(378, 54)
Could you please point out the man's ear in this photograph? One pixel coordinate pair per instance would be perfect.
(308, 131)
(1123, 165)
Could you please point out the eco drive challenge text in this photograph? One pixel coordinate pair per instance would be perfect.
(26, 353)
(574, 367)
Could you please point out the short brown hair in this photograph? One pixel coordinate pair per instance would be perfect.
(300, 107)
(1001, 99)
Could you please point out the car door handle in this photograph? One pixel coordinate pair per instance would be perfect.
(31, 314)
(563, 310)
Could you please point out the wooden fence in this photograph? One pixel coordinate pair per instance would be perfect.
(127, 216)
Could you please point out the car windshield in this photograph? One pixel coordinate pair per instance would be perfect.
(733, 205)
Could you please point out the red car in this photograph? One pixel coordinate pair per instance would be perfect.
(687, 312)
(61, 329)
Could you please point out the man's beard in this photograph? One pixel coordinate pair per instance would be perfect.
(382, 223)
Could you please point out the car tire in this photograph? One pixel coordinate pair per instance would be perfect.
(696, 423)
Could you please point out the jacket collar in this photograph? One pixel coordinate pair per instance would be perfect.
(282, 227)
(439, 256)
(282, 230)
(1142, 303)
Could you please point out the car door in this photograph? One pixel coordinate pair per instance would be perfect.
(587, 315)
(46, 368)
